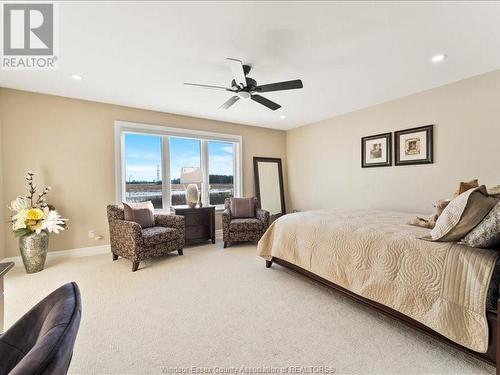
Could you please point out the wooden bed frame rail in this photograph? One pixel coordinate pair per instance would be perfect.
(489, 357)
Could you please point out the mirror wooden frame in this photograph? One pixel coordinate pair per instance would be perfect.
(256, 161)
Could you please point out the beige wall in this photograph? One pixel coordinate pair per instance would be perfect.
(324, 159)
(70, 144)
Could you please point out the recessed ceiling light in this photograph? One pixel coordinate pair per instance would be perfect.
(76, 76)
(439, 58)
(282, 117)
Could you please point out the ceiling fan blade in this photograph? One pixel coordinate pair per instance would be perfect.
(208, 86)
(230, 102)
(238, 72)
(266, 102)
(278, 86)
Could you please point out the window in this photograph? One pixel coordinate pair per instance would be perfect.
(184, 152)
(143, 181)
(220, 172)
(149, 160)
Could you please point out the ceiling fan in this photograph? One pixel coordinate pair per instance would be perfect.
(246, 88)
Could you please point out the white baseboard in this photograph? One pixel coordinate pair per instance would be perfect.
(81, 252)
(72, 253)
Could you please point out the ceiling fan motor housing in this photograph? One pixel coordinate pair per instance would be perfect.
(250, 86)
(246, 69)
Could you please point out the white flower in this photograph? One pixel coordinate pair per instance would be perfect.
(20, 206)
(52, 222)
(19, 223)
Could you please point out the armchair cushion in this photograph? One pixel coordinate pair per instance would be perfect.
(172, 221)
(247, 224)
(157, 235)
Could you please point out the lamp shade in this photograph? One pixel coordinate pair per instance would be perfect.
(191, 175)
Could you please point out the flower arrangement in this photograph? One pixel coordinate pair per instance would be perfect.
(32, 213)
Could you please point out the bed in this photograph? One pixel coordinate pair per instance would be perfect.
(447, 290)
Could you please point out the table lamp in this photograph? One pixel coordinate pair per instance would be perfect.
(191, 176)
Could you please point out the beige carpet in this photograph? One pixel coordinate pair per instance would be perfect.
(219, 307)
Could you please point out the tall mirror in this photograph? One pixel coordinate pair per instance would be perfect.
(269, 185)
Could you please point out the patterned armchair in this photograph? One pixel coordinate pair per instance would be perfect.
(134, 243)
(243, 229)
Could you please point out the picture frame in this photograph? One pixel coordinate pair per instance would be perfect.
(414, 146)
(376, 150)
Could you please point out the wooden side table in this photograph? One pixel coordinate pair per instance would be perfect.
(199, 222)
(4, 268)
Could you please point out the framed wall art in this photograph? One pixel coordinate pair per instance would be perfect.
(376, 150)
(414, 146)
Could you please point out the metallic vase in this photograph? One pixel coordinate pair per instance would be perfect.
(33, 248)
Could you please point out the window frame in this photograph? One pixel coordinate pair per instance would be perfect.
(124, 127)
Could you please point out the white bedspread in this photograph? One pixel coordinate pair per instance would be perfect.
(377, 256)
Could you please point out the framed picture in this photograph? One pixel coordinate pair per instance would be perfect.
(414, 146)
(376, 150)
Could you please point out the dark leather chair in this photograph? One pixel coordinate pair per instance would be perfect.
(42, 341)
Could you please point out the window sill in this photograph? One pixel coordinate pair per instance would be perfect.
(169, 211)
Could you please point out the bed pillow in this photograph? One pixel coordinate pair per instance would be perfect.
(462, 215)
(142, 213)
(487, 233)
(464, 186)
(242, 207)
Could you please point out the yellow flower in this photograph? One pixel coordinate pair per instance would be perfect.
(34, 214)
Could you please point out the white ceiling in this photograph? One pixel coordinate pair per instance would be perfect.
(349, 55)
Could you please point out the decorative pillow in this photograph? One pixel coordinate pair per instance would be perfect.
(487, 233)
(464, 186)
(242, 207)
(494, 191)
(430, 221)
(462, 215)
(142, 213)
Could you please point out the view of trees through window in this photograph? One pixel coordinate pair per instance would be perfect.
(144, 165)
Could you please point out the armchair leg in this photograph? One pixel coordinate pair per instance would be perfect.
(115, 257)
(135, 266)
(181, 251)
(225, 244)
(269, 263)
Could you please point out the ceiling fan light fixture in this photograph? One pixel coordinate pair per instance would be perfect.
(244, 94)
